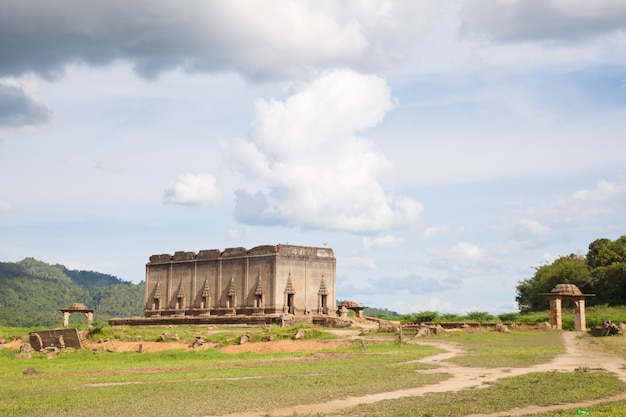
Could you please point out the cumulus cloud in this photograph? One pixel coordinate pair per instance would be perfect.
(382, 241)
(359, 262)
(464, 250)
(534, 227)
(433, 231)
(579, 207)
(319, 172)
(466, 260)
(194, 190)
(18, 108)
(262, 40)
(5, 207)
(538, 20)
(563, 216)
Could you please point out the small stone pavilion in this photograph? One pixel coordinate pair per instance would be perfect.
(77, 308)
(567, 291)
(260, 282)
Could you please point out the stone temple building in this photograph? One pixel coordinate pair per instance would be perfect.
(263, 281)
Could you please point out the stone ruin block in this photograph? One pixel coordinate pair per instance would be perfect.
(208, 254)
(239, 251)
(164, 257)
(263, 250)
(184, 256)
(58, 338)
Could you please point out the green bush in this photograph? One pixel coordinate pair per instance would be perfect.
(509, 317)
(479, 316)
(425, 316)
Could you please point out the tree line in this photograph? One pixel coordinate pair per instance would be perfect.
(601, 271)
(32, 292)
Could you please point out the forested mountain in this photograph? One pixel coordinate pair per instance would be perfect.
(602, 271)
(32, 292)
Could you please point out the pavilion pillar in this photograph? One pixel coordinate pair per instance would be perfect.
(580, 321)
(556, 318)
(66, 319)
(89, 315)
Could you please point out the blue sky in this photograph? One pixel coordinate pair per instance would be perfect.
(443, 149)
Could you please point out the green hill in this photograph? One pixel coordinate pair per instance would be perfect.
(32, 292)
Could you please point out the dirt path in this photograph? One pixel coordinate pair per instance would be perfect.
(576, 356)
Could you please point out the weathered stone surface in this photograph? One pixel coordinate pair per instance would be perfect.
(200, 340)
(25, 351)
(301, 333)
(160, 258)
(610, 329)
(165, 336)
(25, 347)
(502, 328)
(59, 338)
(423, 331)
(184, 256)
(544, 326)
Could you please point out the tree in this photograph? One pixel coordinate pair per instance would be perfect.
(602, 272)
(570, 269)
(604, 252)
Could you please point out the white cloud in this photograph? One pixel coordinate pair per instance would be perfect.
(282, 38)
(431, 232)
(108, 164)
(358, 262)
(534, 227)
(581, 206)
(382, 241)
(524, 20)
(464, 250)
(320, 173)
(194, 190)
(20, 106)
(466, 261)
(5, 207)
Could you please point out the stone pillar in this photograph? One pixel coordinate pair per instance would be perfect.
(89, 318)
(66, 319)
(580, 321)
(556, 319)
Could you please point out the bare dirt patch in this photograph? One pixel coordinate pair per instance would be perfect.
(577, 355)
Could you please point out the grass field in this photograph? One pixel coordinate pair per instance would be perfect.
(212, 382)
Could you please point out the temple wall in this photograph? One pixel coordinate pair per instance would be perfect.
(241, 281)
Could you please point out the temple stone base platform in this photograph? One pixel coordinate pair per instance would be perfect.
(230, 320)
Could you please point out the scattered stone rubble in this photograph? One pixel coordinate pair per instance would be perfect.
(607, 329)
(200, 340)
(301, 333)
(165, 336)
